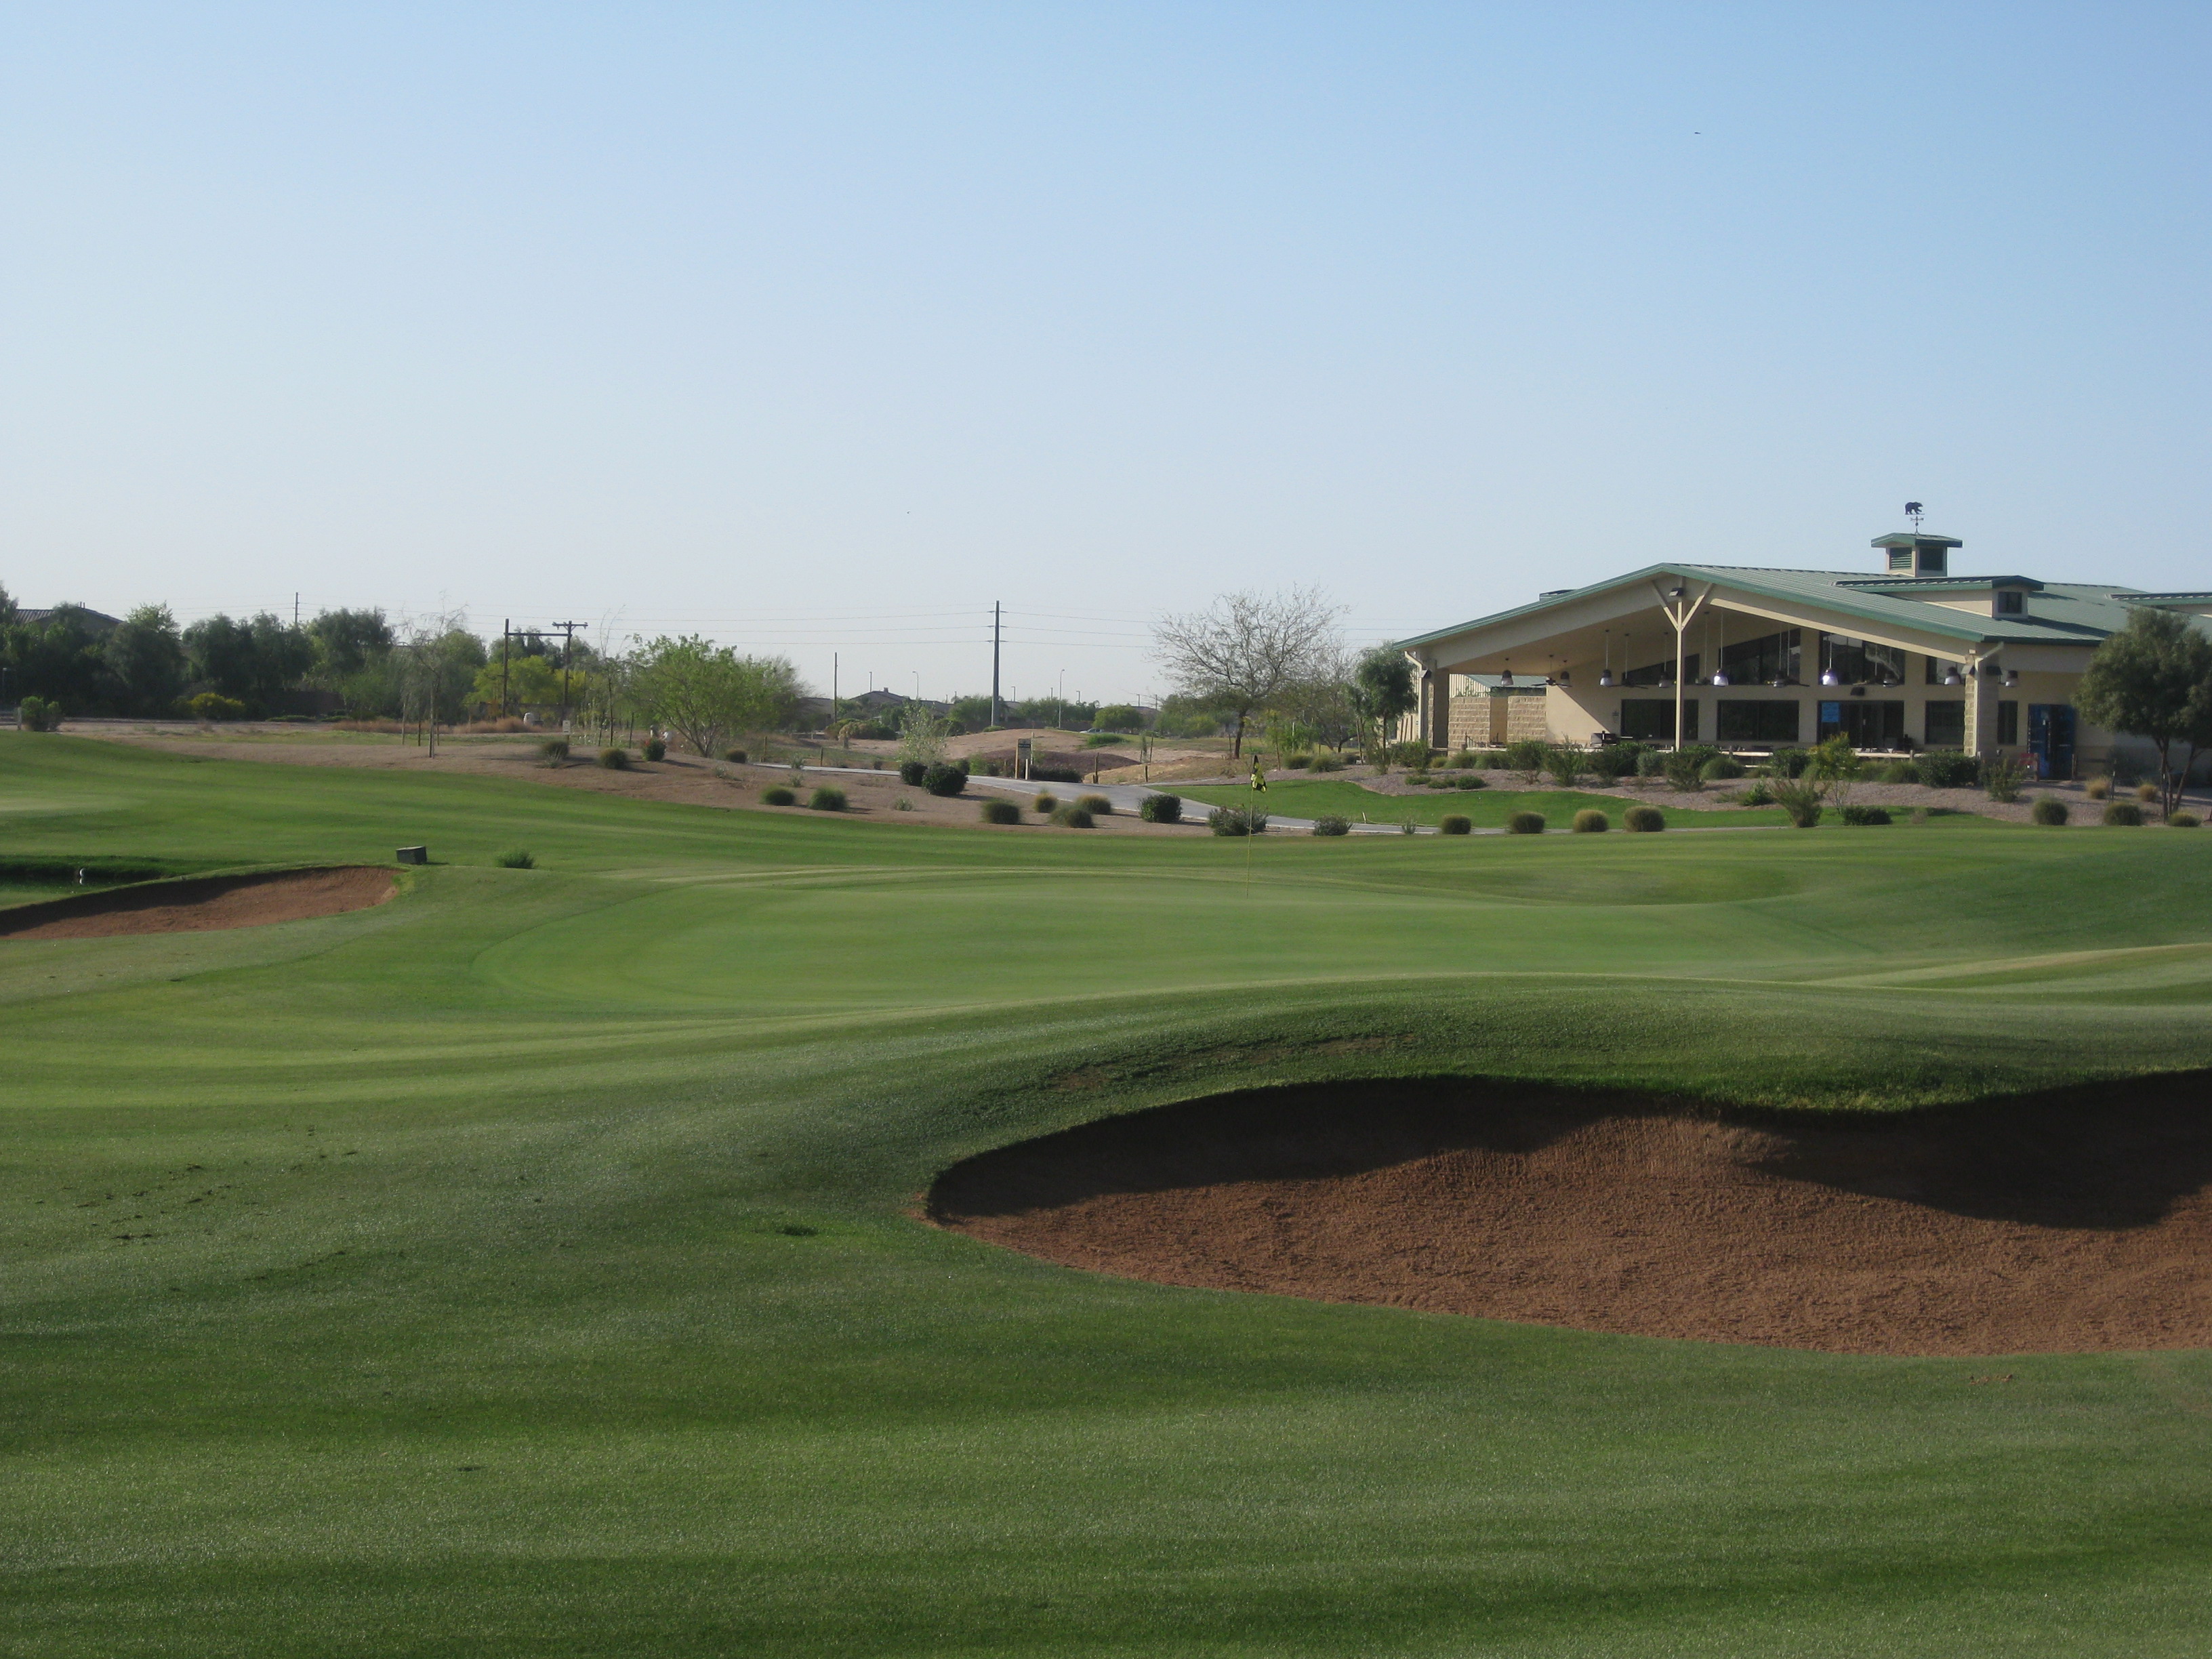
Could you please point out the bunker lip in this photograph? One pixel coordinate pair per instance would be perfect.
(2073, 1221)
(202, 903)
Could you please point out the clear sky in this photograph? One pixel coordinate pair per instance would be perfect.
(821, 327)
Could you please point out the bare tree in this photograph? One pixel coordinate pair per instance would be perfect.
(1247, 649)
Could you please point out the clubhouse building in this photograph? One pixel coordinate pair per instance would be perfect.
(1904, 655)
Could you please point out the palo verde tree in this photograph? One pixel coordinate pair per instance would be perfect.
(1247, 649)
(2152, 679)
(704, 692)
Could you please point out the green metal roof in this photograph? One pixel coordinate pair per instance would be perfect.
(2067, 613)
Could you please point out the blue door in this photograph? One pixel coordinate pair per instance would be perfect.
(2051, 738)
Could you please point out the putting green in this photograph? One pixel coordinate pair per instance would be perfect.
(528, 1265)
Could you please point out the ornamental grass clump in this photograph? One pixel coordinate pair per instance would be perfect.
(2004, 777)
(615, 760)
(1001, 811)
(1644, 820)
(1864, 817)
(2097, 788)
(1332, 826)
(515, 859)
(2048, 810)
(2124, 814)
(1074, 817)
(736, 756)
(1801, 798)
(1591, 822)
(1161, 809)
(1454, 824)
(2147, 794)
(2183, 821)
(1044, 802)
(1097, 805)
(553, 752)
(827, 798)
(779, 796)
(1685, 769)
(1236, 821)
(1720, 769)
(1566, 764)
(1525, 824)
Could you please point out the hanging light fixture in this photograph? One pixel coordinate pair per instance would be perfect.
(1720, 674)
(1828, 675)
(1952, 675)
(1506, 679)
(1560, 678)
(2012, 676)
(1605, 674)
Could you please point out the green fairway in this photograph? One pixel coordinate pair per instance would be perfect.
(1488, 809)
(528, 1265)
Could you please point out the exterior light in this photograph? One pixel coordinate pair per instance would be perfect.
(1606, 678)
(1561, 678)
(1829, 676)
(2012, 676)
(1506, 679)
(1720, 676)
(1952, 677)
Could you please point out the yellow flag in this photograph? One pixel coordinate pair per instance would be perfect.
(1259, 779)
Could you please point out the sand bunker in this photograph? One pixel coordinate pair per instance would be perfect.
(184, 907)
(2067, 1222)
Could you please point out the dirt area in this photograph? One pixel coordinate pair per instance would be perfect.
(2077, 1221)
(875, 796)
(203, 905)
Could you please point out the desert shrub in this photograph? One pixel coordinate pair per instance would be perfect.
(827, 798)
(1420, 775)
(1644, 820)
(2097, 788)
(2124, 813)
(1722, 767)
(943, 780)
(1409, 828)
(1591, 822)
(615, 760)
(1097, 805)
(553, 751)
(1472, 780)
(1801, 798)
(1297, 762)
(1759, 794)
(1946, 768)
(1615, 761)
(1055, 775)
(2049, 810)
(739, 756)
(656, 750)
(39, 714)
(1864, 817)
(1411, 753)
(1651, 764)
(1044, 801)
(1073, 816)
(1454, 824)
(1787, 761)
(2147, 792)
(1327, 763)
(1918, 818)
(1897, 771)
(1685, 769)
(207, 706)
(2183, 821)
(1001, 811)
(1525, 824)
(1527, 755)
(2003, 777)
(1332, 826)
(1236, 821)
(1100, 739)
(911, 772)
(779, 796)
(515, 859)
(1565, 763)
(1161, 809)
(1464, 759)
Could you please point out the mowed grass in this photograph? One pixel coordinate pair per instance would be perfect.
(529, 1264)
(1487, 809)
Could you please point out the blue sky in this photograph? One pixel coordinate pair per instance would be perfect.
(821, 327)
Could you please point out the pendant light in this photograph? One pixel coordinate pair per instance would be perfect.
(1605, 674)
(1828, 675)
(1506, 679)
(2011, 678)
(1720, 674)
(1952, 675)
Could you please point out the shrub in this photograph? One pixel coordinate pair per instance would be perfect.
(1097, 805)
(1864, 817)
(1591, 822)
(1001, 811)
(553, 751)
(2183, 821)
(1412, 753)
(943, 780)
(1454, 824)
(913, 771)
(1685, 770)
(615, 760)
(1099, 739)
(2124, 813)
(37, 714)
(1946, 768)
(1161, 809)
(779, 796)
(2049, 810)
(1525, 824)
(1332, 826)
(1297, 762)
(1465, 760)
(515, 859)
(1471, 782)
(1759, 794)
(1420, 777)
(1073, 817)
(2147, 792)
(739, 756)
(1615, 761)
(207, 706)
(1044, 801)
(827, 798)
(1897, 771)
(1644, 820)
(1327, 763)
(656, 750)
(2097, 788)
(1721, 768)
(1236, 821)
(1801, 798)
(1055, 775)
(1787, 761)
(1565, 763)
(2004, 778)
(1651, 764)
(1527, 755)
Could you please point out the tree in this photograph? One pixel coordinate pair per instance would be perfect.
(145, 661)
(2154, 679)
(347, 641)
(518, 683)
(702, 692)
(1248, 648)
(1118, 717)
(57, 657)
(1381, 691)
(922, 733)
(437, 659)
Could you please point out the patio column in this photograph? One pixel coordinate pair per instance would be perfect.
(1984, 685)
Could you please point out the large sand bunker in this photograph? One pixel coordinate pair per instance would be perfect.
(2067, 1222)
(213, 902)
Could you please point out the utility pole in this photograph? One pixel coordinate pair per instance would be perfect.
(833, 688)
(995, 615)
(567, 647)
(506, 701)
(295, 607)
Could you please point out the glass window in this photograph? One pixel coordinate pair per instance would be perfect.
(1933, 561)
(1651, 720)
(1761, 661)
(1861, 662)
(2007, 722)
(2011, 601)
(1661, 673)
(1938, 667)
(1767, 719)
(1946, 723)
(1863, 723)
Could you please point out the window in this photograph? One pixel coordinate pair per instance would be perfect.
(2011, 601)
(1864, 725)
(1768, 719)
(1861, 662)
(1946, 723)
(1651, 720)
(2007, 722)
(1662, 673)
(1937, 668)
(1761, 661)
(1932, 561)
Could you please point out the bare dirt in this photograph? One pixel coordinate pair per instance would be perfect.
(203, 905)
(2076, 1221)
